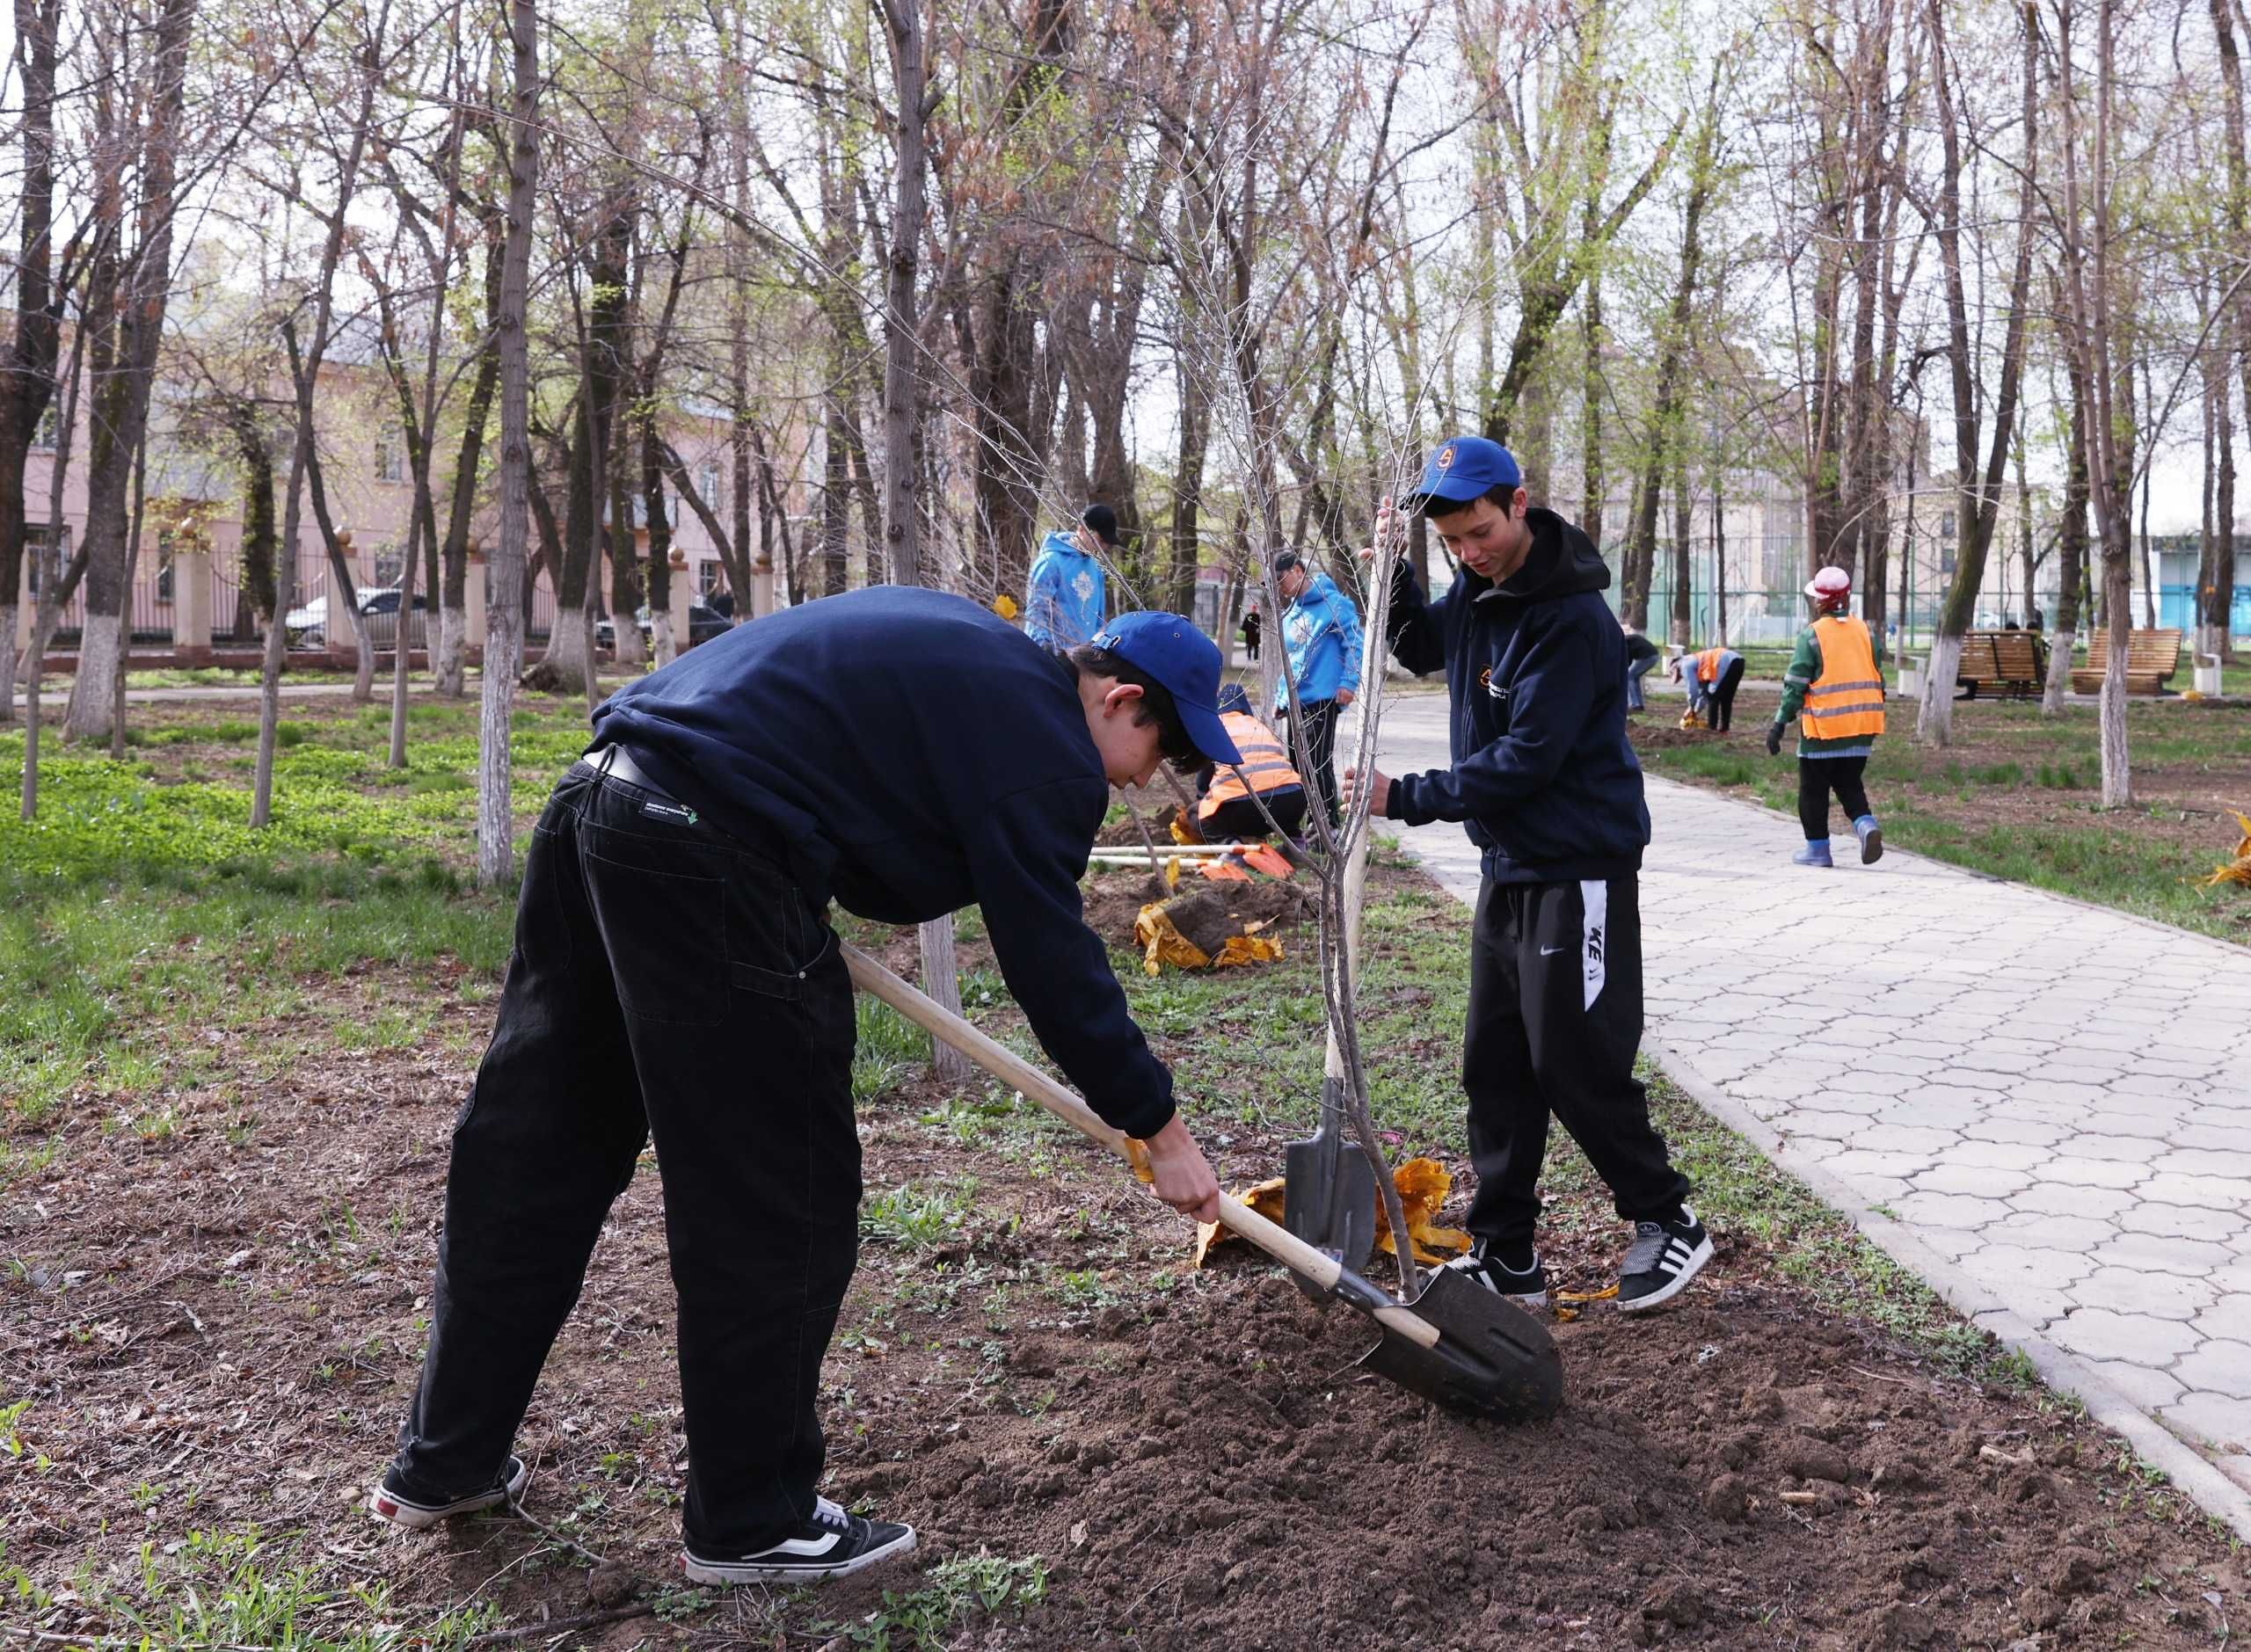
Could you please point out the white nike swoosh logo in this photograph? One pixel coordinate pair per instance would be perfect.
(1549, 952)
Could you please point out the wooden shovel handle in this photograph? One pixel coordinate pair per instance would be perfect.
(1010, 1069)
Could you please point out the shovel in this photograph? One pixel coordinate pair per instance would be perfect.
(1459, 1346)
(1327, 1184)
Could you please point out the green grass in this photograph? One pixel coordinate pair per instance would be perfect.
(953, 1590)
(227, 1590)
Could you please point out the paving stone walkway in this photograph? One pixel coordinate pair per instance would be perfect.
(2050, 1102)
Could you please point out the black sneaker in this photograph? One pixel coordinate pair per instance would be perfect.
(418, 1513)
(1527, 1289)
(832, 1543)
(1665, 1258)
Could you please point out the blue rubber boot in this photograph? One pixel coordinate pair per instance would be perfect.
(1814, 853)
(1871, 836)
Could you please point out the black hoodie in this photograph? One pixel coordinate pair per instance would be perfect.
(1543, 778)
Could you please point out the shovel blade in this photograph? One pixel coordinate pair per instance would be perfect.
(1328, 1192)
(1493, 1359)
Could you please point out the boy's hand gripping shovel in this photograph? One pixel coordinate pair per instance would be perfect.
(1461, 1345)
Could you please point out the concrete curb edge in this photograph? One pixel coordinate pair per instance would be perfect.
(2155, 1443)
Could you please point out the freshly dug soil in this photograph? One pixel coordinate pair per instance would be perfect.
(217, 1325)
(1115, 898)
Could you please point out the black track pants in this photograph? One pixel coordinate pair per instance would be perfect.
(1554, 1020)
(1317, 760)
(666, 980)
(1817, 778)
(1719, 710)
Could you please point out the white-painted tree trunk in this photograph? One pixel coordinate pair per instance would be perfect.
(567, 643)
(667, 648)
(450, 676)
(2118, 773)
(2060, 644)
(1934, 726)
(93, 691)
(628, 653)
(941, 980)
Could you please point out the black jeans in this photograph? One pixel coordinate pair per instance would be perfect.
(1719, 704)
(1636, 670)
(665, 980)
(1239, 817)
(1554, 1020)
(1319, 753)
(1817, 778)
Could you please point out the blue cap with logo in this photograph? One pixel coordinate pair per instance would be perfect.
(1468, 467)
(1186, 662)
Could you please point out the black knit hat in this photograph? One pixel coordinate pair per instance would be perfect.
(1104, 521)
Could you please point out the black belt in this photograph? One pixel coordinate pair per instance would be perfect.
(616, 762)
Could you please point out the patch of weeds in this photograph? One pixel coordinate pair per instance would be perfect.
(888, 1051)
(918, 1218)
(2000, 774)
(952, 1590)
(2061, 778)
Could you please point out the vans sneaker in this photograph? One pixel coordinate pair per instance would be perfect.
(832, 1543)
(1665, 1258)
(416, 1513)
(1527, 1289)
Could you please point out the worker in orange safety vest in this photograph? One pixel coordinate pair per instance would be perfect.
(1226, 808)
(1835, 689)
(1711, 678)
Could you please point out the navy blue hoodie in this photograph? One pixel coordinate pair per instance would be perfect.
(909, 754)
(1543, 778)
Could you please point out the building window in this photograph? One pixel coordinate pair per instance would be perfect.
(391, 457)
(39, 543)
(707, 482)
(164, 574)
(389, 564)
(50, 425)
(707, 578)
(1946, 525)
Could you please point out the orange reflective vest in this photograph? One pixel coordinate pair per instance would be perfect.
(1708, 664)
(1265, 764)
(1847, 698)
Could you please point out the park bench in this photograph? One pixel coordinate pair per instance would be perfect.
(2009, 661)
(2152, 657)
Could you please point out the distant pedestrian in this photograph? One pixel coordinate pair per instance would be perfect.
(1321, 644)
(1250, 630)
(1064, 593)
(1641, 655)
(1835, 689)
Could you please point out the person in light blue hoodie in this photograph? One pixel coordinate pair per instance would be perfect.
(1063, 593)
(1320, 643)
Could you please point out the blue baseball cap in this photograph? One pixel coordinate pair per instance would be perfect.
(1468, 467)
(1186, 663)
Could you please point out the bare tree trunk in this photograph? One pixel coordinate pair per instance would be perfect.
(132, 568)
(504, 616)
(27, 388)
(2071, 553)
(277, 641)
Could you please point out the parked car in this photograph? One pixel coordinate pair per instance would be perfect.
(308, 626)
(704, 623)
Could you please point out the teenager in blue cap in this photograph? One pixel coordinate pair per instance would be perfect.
(906, 753)
(1544, 782)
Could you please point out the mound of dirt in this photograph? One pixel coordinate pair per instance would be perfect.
(1114, 898)
(1737, 1474)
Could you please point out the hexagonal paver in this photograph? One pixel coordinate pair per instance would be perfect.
(2163, 1253)
(2182, 1221)
(2064, 1171)
(2229, 1317)
(1982, 1179)
(2146, 1388)
(2124, 1149)
(2047, 1199)
(2107, 1334)
(2217, 1367)
(1949, 1209)
(2165, 1296)
(2219, 1418)
(2212, 1192)
(1927, 1140)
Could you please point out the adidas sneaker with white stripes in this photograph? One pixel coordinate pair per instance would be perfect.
(832, 1543)
(1665, 1258)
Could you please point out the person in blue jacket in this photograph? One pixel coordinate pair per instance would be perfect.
(906, 753)
(1063, 593)
(1545, 783)
(1320, 648)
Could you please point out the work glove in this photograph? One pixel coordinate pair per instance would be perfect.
(1774, 739)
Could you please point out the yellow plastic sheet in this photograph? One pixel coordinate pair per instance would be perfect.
(1422, 1184)
(1162, 944)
